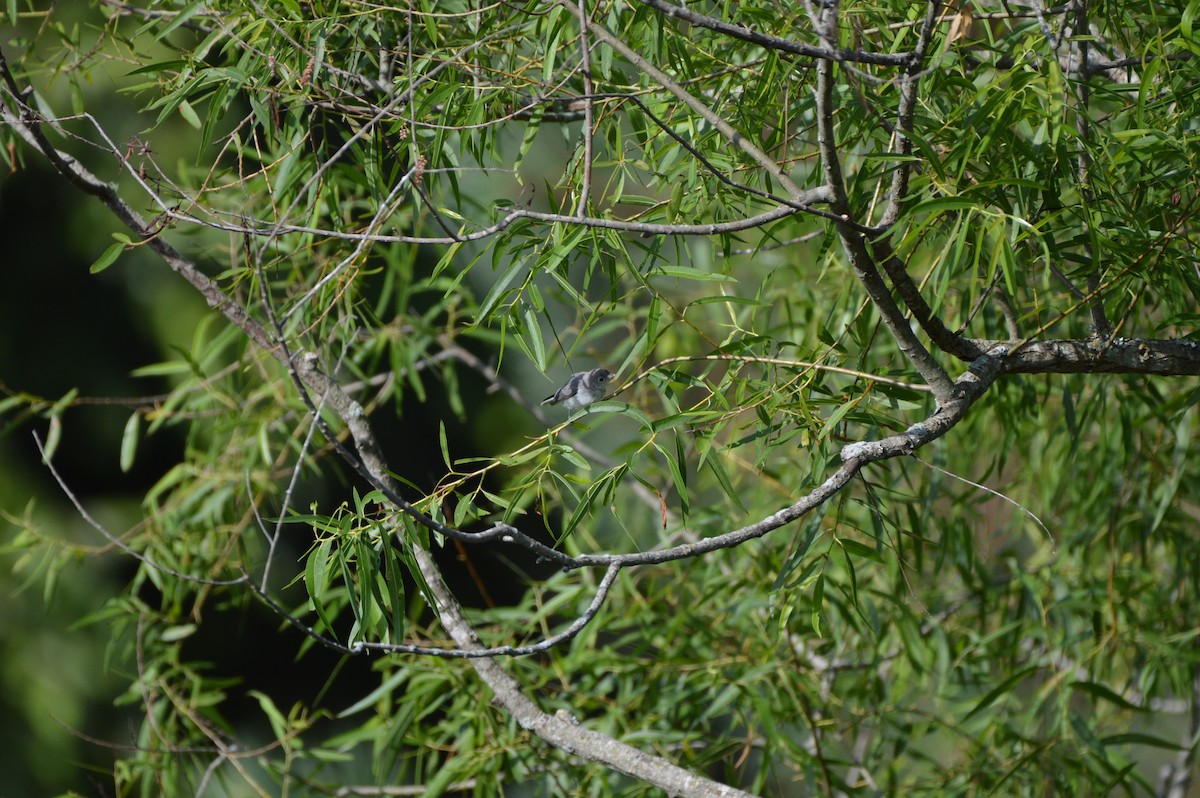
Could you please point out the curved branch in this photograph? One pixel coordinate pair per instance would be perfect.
(818, 496)
(775, 42)
(361, 648)
(560, 729)
(942, 336)
(971, 385)
(116, 541)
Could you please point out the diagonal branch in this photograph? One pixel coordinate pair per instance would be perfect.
(942, 336)
(1083, 165)
(797, 195)
(560, 729)
(904, 115)
(854, 243)
(774, 42)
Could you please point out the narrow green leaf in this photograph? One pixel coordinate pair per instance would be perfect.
(367, 567)
(108, 258)
(162, 369)
(395, 587)
(533, 339)
(53, 437)
(830, 425)
(189, 114)
(818, 600)
(179, 632)
(678, 477)
(859, 549)
(1136, 738)
(315, 569)
(689, 273)
(573, 457)
(616, 406)
(179, 19)
(499, 291)
(1187, 22)
(728, 299)
(129, 441)
(718, 471)
(445, 446)
(279, 724)
(809, 534)
(63, 403)
(1004, 687)
(1105, 694)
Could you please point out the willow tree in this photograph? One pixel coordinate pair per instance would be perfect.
(891, 491)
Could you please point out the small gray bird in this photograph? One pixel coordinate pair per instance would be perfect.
(583, 388)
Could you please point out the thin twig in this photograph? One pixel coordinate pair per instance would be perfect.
(995, 493)
(116, 541)
(367, 647)
(775, 42)
(585, 188)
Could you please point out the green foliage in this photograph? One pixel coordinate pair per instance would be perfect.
(395, 189)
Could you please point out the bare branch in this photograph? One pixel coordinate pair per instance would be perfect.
(815, 498)
(775, 42)
(116, 541)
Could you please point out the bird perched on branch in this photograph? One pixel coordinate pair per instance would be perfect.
(583, 388)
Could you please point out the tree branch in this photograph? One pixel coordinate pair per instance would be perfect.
(764, 161)
(853, 241)
(560, 729)
(904, 115)
(775, 42)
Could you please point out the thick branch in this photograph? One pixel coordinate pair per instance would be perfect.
(968, 388)
(1094, 355)
(562, 729)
